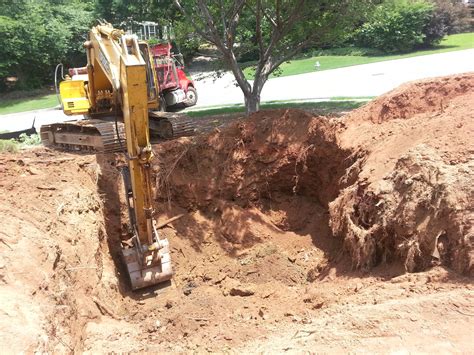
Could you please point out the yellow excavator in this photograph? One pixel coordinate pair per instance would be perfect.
(120, 99)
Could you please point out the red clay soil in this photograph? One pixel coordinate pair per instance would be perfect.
(410, 99)
(300, 233)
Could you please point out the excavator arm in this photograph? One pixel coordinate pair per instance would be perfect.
(120, 82)
(148, 261)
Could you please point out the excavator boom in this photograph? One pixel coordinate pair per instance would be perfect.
(118, 94)
(148, 261)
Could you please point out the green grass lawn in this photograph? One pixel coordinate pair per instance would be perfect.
(307, 65)
(322, 107)
(27, 104)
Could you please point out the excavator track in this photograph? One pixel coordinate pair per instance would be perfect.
(168, 125)
(101, 136)
(86, 136)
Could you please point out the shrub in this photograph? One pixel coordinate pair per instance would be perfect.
(396, 25)
(26, 140)
(448, 17)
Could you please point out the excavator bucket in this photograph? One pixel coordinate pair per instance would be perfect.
(147, 265)
(150, 267)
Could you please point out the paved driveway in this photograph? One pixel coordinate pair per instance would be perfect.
(361, 80)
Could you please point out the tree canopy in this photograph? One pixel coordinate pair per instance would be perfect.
(37, 34)
(275, 29)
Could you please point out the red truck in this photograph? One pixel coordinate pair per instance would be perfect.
(175, 86)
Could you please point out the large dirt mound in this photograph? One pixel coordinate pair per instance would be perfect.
(420, 97)
(396, 191)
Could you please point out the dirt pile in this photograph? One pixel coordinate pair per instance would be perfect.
(284, 213)
(397, 190)
(421, 97)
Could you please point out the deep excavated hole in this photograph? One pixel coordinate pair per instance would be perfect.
(260, 204)
(262, 183)
(258, 194)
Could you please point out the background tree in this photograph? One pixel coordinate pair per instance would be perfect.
(447, 17)
(123, 12)
(35, 35)
(276, 29)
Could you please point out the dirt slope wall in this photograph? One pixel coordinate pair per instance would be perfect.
(285, 151)
(54, 258)
(413, 200)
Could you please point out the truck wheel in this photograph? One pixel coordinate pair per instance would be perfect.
(191, 97)
(163, 105)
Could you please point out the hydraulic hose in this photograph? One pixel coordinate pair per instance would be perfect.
(56, 84)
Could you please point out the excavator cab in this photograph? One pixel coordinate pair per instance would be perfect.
(73, 97)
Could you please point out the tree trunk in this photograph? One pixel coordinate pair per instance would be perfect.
(252, 99)
(252, 103)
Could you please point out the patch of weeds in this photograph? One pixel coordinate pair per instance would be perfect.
(26, 140)
(23, 142)
(9, 145)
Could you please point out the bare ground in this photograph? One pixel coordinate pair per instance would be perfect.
(301, 233)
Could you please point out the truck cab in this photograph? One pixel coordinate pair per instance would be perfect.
(176, 87)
